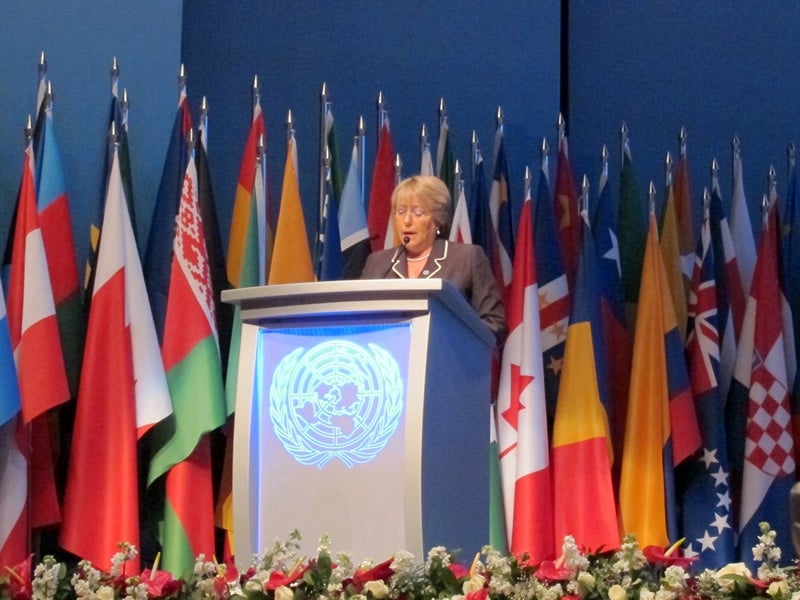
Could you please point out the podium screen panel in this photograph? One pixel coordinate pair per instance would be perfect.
(328, 434)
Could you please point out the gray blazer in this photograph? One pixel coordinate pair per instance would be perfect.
(465, 266)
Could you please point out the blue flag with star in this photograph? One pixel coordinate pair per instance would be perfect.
(704, 479)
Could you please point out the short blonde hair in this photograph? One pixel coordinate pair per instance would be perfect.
(428, 192)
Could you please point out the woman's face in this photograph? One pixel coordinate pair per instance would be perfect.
(415, 222)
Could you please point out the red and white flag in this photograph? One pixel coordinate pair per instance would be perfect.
(521, 413)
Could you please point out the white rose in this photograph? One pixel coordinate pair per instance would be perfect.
(731, 569)
(778, 588)
(473, 584)
(284, 593)
(586, 581)
(105, 592)
(617, 592)
(377, 588)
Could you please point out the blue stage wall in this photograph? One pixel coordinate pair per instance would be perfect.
(475, 55)
(719, 68)
(80, 38)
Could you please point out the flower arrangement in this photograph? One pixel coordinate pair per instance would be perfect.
(282, 573)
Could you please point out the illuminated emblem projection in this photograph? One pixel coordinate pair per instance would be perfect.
(337, 400)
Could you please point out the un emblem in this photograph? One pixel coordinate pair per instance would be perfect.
(337, 400)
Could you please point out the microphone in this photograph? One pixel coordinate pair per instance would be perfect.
(396, 256)
(406, 239)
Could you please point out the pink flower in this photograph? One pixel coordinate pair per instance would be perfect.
(277, 580)
(551, 572)
(161, 584)
(459, 571)
(660, 556)
(481, 594)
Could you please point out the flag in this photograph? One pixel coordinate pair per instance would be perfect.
(248, 222)
(583, 492)
(460, 230)
(706, 510)
(123, 393)
(481, 222)
(331, 260)
(59, 246)
(445, 161)
(565, 209)
(659, 402)
(554, 302)
(671, 254)
(500, 210)
(246, 266)
(683, 213)
(426, 162)
(353, 221)
(118, 120)
(194, 375)
(36, 345)
(216, 253)
(741, 228)
(14, 468)
(632, 230)
(497, 518)
(616, 340)
(769, 465)
(291, 258)
(790, 286)
(162, 226)
(521, 412)
(380, 195)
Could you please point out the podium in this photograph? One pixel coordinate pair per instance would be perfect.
(362, 413)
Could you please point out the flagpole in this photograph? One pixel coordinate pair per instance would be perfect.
(123, 108)
(773, 189)
(361, 140)
(423, 144)
(603, 169)
(651, 198)
(182, 79)
(324, 107)
(499, 130)
(714, 175)
(256, 96)
(114, 77)
(668, 171)
(624, 143)
(682, 142)
(476, 153)
(527, 183)
(42, 69)
(398, 169)
(459, 183)
(440, 144)
(546, 159)
(381, 113)
(289, 126)
(584, 199)
(562, 131)
(263, 271)
(791, 153)
(202, 125)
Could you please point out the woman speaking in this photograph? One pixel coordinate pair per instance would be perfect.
(421, 212)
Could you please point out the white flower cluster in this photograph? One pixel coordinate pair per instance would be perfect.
(629, 557)
(127, 551)
(46, 576)
(437, 554)
(573, 557)
(499, 566)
